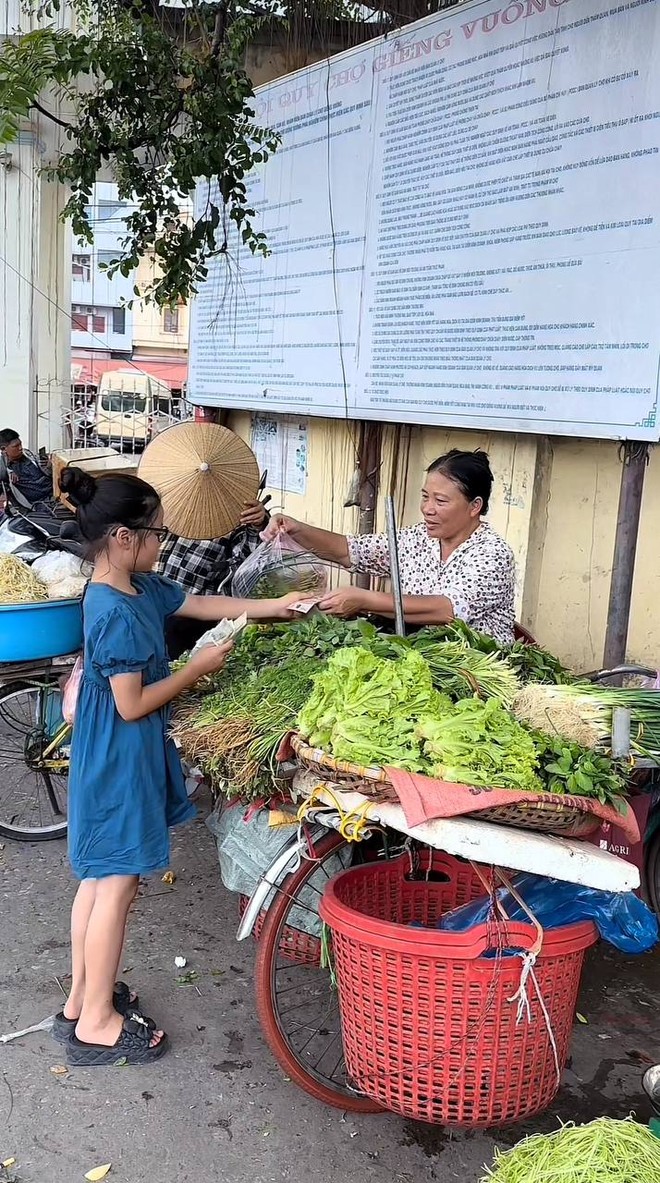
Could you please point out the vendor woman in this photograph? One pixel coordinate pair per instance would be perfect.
(453, 565)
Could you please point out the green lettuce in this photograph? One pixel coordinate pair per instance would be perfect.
(480, 743)
(366, 709)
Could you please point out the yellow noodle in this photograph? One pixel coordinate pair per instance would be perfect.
(18, 584)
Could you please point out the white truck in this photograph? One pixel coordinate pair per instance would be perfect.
(131, 408)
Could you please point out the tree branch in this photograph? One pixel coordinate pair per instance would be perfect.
(49, 115)
(219, 30)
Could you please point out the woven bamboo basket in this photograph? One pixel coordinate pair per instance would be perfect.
(371, 782)
(565, 818)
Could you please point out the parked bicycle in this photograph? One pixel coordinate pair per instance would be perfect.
(297, 1007)
(34, 750)
(34, 739)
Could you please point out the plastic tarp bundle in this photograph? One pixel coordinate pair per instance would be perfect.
(278, 567)
(247, 846)
(621, 918)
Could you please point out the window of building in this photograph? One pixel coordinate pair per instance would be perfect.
(81, 267)
(119, 321)
(107, 257)
(171, 320)
(79, 320)
(98, 322)
(107, 210)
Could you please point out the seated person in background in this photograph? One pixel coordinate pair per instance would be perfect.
(206, 568)
(23, 471)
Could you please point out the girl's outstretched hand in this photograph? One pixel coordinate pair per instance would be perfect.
(210, 659)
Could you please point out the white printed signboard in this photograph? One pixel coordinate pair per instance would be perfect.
(464, 221)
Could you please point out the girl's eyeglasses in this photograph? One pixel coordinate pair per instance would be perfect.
(161, 532)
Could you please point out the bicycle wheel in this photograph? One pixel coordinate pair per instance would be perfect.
(297, 1003)
(33, 778)
(652, 884)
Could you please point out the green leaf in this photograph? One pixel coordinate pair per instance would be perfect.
(161, 112)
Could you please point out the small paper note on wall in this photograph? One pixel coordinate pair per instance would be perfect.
(280, 446)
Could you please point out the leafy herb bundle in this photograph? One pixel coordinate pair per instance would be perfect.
(568, 768)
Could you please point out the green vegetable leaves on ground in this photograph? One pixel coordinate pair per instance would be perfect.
(604, 1151)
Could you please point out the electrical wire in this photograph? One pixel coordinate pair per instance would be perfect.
(58, 307)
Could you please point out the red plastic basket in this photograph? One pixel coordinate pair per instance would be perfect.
(429, 1023)
(303, 949)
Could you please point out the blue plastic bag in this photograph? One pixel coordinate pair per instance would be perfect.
(621, 918)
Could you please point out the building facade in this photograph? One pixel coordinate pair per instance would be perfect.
(101, 322)
(160, 335)
(106, 333)
(34, 270)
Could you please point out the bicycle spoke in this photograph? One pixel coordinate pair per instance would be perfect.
(336, 1036)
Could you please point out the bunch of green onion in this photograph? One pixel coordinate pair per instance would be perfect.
(460, 671)
(583, 712)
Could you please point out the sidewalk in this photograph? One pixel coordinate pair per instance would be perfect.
(217, 1107)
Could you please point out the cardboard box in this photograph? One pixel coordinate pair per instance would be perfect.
(94, 460)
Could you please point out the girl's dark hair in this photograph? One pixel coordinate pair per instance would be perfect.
(118, 499)
(471, 471)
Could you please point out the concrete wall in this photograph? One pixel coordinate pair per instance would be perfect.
(35, 255)
(149, 335)
(34, 296)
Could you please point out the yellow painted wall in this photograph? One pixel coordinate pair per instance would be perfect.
(554, 501)
(577, 555)
(149, 336)
(330, 465)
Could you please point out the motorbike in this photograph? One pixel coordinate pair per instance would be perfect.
(30, 534)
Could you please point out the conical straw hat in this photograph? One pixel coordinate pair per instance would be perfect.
(205, 474)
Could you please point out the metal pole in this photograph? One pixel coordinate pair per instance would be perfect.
(392, 542)
(621, 718)
(635, 457)
(369, 463)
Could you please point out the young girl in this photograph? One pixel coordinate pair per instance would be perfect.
(126, 786)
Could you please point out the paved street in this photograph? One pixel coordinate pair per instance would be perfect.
(217, 1107)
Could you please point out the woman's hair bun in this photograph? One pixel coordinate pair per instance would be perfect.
(78, 485)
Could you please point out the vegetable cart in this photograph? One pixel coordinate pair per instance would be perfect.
(340, 827)
(439, 707)
(297, 1003)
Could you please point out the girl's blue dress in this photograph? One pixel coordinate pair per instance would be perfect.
(126, 785)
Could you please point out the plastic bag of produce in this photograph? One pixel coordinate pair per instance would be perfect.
(247, 846)
(278, 567)
(71, 692)
(71, 588)
(56, 566)
(621, 918)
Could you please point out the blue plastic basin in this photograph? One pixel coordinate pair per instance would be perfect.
(32, 631)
